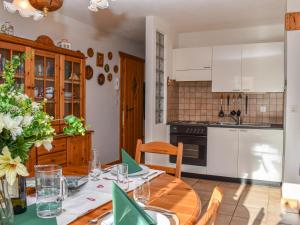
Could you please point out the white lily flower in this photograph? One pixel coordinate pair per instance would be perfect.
(13, 125)
(11, 167)
(46, 143)
(27, 120)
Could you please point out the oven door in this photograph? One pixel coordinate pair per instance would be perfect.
(194, 149)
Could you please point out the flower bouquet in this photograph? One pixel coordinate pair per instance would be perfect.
(23, 124)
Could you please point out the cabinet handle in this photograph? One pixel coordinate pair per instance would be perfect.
(243, 130)
(207, 67)
(232, 130)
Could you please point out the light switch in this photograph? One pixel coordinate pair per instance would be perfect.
(263, 108)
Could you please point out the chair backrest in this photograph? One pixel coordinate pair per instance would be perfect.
(209, 216)
(161, 148)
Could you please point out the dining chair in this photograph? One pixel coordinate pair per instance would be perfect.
(210, 215)
(161, 148)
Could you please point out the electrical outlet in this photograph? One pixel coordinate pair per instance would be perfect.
(263, 108)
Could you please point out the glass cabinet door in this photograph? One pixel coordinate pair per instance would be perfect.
(7, 51)
(45, 76)
(72, 87)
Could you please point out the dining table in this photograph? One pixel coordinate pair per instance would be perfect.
(167, 192)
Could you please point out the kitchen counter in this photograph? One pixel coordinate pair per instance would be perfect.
(229, 125)
(248, 126)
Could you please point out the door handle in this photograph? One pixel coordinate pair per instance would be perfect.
(129, 109)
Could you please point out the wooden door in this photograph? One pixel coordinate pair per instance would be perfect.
(132, 102)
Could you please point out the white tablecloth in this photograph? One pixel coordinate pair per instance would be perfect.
(91, 196)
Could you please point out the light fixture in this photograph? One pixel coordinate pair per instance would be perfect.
(98, 4)
(47, 5)
(24, 8)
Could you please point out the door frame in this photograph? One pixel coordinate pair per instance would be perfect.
(121, 87)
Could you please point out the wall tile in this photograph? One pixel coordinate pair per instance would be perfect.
(194, 101)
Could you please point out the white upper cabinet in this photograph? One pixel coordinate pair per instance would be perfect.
(227, 68)
(222, 152)
(260, 154)
(192, 64)
(263, 67)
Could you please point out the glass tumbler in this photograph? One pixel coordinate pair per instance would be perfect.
(51, 190)
(122, 176)
(141, 193)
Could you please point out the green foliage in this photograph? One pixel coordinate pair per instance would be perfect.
(74, 126)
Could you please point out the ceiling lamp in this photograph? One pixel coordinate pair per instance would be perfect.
(24, 8)
(47, 5)
(98, 4)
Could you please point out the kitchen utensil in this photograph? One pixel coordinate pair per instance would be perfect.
(246, 104)
(221, 113)
(233, 112)
(239, 100)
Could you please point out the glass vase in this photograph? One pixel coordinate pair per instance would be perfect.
(17, 193)
(6, 208)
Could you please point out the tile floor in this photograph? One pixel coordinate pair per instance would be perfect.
(245, 204)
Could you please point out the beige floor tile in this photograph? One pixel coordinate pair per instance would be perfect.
(203, 195)
(223, 220)
(252, 214)
(253, 202)
(206, 185)
(227, 209)
(258, 188)
(190, 181)
(244, 221)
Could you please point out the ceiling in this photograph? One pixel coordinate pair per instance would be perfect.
(127, 17)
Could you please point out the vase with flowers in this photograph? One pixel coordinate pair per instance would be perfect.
(23, 123)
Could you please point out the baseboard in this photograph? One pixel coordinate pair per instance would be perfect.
(231, 179)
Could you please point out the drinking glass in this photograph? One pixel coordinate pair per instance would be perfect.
(122, 176)
(51, 190)
(95, 169)
(141, 193)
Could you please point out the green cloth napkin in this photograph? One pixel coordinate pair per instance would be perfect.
(133, 167)
(126, 211)
(30, 218)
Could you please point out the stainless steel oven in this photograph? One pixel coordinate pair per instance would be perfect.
(194, 139)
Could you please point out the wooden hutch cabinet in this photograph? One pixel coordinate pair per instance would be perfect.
(58, 75)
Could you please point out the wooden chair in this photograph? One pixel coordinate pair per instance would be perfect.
(161, 148)
(209, 216)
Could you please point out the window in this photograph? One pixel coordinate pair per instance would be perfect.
(159, 97)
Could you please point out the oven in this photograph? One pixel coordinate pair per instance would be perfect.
(194, 139)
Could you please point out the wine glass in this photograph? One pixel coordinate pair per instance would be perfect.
(141, 193)
(95, 169)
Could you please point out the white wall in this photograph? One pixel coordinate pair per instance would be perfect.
(102, 102)
(231, 36)
(156, 132)
(291, 187)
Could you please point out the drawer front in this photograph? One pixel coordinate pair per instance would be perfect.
(59, 158)
(58, 146)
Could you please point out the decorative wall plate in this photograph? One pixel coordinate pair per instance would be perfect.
(100, 59)
(109, 77)
(90, 52)
(101, 79)
(106, 68)
(89, 72)
(116, 69)
(110, 55)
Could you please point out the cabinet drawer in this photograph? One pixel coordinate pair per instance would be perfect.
(59, 158)
(58, 146)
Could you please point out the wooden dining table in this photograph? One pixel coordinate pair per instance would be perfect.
(167, 192)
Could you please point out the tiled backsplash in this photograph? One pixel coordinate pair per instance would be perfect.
(194, 101)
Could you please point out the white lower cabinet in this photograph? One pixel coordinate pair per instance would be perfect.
(222, 152)
(260, 154)
(245, 153)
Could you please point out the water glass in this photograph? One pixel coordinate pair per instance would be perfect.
(141, 193)
(95, 169)
(122, 176)
(51, 190)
